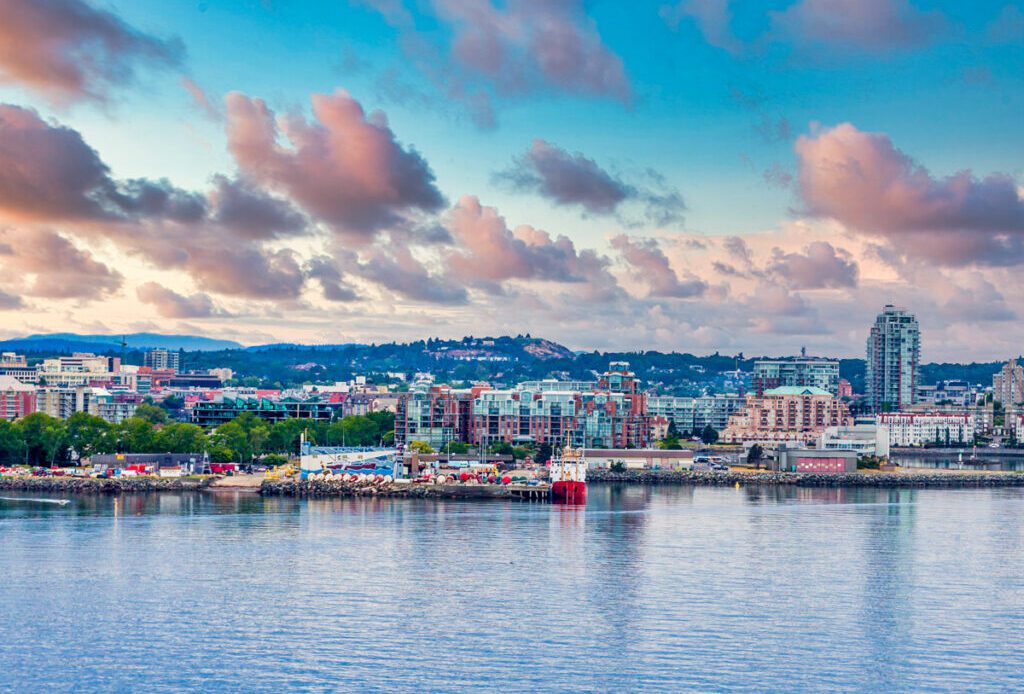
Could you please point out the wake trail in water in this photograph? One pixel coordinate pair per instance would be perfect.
(59, 502)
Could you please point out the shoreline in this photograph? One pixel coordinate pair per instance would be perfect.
(915, 479)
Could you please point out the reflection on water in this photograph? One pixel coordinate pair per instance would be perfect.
(665, 588)
(980, 459)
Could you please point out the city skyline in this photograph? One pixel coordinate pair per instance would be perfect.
(745, 179)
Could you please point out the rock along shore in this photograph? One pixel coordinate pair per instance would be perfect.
(884, 480)
(337, 488)
(115, 485)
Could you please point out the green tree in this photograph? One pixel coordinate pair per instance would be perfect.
(152, 414)
(500, 448)
(285, 435)
(543, 453)
(755, 455)
(44, 437)
(89, 435)
(137, 435)
(708, 435)
(12, 444)
(180, 438)
(420, 447)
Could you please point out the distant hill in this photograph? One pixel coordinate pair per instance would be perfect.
(73, 342)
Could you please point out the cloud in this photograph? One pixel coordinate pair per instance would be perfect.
(488, 252)
(738, 248)
(396, 269)
(820, 266)
(345, 167)
(170, 304)
(862, 25)
(323, 269)
(10, 302)
(199, 98)
(650, 265)
(1008, 27)
(863, 181)
(712, 17)
(49, 173)
(572, 179)
(53, 267)
(69, 50)
(474, 50)
(251, 213)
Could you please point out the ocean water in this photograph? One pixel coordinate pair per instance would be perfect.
(657, 589)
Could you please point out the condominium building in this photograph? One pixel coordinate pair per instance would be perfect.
(161, 359)
(787, 414)
(893, 357)
(797, 372)
(80, 369)
(926, 428)
(693, 414)
(17, 399)
(1008, 385)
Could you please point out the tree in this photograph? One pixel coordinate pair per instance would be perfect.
(543, 453)
(754, 456)
(500, 448)
(44, 436)
(708, 435)
(152, 414)
(232, 440)
(285, 436)
(89, 435)
(420, 447)
(12, 444)
(137, 435)
(181, 438)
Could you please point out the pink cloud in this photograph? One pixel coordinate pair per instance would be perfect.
(345, 167)
(69, 50)
(52, 267)
(876, 25)
(170, 304)
(650, 265)
(862, 180)
(199, 98)
(819, 266)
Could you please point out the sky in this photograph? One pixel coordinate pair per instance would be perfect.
(691, 175)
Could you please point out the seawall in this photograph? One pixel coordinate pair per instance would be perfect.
(884, 480)
(338, 488)
(116, 485)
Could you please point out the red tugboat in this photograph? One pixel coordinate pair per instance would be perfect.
(569, 476)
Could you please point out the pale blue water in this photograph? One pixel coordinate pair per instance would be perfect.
(646, 589)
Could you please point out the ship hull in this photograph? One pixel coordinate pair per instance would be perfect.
(567, 492)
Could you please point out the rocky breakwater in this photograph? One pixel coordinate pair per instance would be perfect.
(115, 485)
(336, 487)
(916, 479)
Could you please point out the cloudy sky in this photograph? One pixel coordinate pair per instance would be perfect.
(696, 175)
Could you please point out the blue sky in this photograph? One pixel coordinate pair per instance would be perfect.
(945, 89)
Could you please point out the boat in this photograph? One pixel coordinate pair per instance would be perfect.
(569, 476)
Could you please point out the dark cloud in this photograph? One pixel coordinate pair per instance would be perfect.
(345, 168)
(820, 266)
(573, 179)
(9, 302)
(650, 265)
(170, 304)
(70, 50)
(863, 181)
(396, 269)
(738, 248)
(713, 19)
(861, 25)
(248, 211)
(332, 282)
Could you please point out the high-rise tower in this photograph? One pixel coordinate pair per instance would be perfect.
(893, 357)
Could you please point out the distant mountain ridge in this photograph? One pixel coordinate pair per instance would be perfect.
(74, 342)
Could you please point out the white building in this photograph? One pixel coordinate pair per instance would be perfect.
(864, 439)
(920, 429)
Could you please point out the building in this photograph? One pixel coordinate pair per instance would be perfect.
(639, 458)
(691, 415)
(816, 461)
(100, 402)
(786, 414)
(907, 429)
(893, 357)
(796, 372)
(952, 392)
(161, 359)
(80, 369)
(436, 416)
(17, 399)
(865, 439)
(222, 409)
(1008, 385)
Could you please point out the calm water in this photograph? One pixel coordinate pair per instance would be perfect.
(657, 589)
